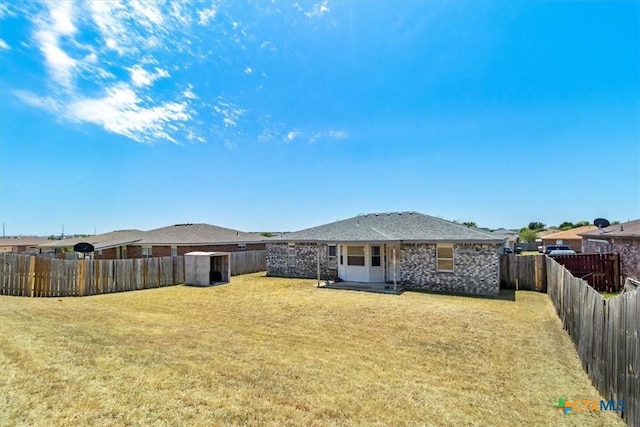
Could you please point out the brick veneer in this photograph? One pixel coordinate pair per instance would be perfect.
(306, 261)
(476, 271)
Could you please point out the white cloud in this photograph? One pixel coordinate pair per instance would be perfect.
(291, 135)
(318, 10)
(206, 15)
(4, 45)
(248, 70)
(337, 134)
(141, 77)
(189, 94)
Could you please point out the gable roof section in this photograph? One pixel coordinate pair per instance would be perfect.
(99, 241)
(570, 234)
(630, 229)
(392, 226)
(22, 241)
(196, 235)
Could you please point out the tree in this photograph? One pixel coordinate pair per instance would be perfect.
(536, 226)
(528, 235)
(470, 224)
(566, 226)
(266, 234)
(581, 224)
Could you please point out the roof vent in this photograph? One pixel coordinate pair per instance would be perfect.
(377, 214)
(621, 227)
(399, 213)
(410, 212)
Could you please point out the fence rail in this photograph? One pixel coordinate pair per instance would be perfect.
(32, 276)
(606, 334)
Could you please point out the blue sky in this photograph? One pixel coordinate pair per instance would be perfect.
(286, 115)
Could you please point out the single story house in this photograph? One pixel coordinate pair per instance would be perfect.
(569, 237)
(182, 238)
(416, 250)
(620, 238)
(112, 245)
(21, 244)
(510, 237)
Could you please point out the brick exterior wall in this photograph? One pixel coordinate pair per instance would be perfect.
(476, 269)
(629, 250)
(306, 261)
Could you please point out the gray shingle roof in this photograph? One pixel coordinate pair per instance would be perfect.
(99, 241)
(392, 226)
(626, 229)
(196, 234)
(22, 241)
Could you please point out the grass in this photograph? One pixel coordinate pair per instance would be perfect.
(269, 351)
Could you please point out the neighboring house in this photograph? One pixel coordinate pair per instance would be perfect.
(182, 238)
(569, 238)
(112, 245)
(510, 237)
(416, 250)
(621, 238)
(21, 244)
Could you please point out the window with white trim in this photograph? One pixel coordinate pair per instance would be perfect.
(291, 255)
(174, 251)
(332, 263)
(146, 252)
(444, 256)
(355, 255)
(242, 246)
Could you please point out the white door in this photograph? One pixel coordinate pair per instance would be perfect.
(393, 273)
(356, 268)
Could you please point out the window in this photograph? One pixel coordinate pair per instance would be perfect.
(146, 252)
(291, 256)
(375, 256)
(332, 257)
(242, 247)
(445, 257)
(174, 251)
(355, 255)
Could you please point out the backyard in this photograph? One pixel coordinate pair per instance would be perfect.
(269, 351)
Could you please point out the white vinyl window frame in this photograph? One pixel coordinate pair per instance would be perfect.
(356, 256)
(444, 257)
(174, 251)
(332, 252)
(147, 252)
(291, 255)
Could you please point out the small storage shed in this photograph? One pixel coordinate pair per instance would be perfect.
(207, 268)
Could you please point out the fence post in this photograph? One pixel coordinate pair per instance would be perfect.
(32, 276)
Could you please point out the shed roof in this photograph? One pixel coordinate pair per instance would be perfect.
(630, 229)
(392, 226)
(196, 234)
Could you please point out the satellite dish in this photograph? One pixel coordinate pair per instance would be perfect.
(83, 247)
(601, 222)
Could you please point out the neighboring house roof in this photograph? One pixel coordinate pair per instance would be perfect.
(392, 226)
(630, 229)
(544, 233)
(99, 241)
(22, 241)
(196, 235)
(570, 234)
(505, 234)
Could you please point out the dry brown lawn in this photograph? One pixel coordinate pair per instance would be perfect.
(269, 351)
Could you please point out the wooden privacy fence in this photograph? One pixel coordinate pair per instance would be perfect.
(32, 276)
(606, 334)
(248, 262)
(601, 271)
(523, 272)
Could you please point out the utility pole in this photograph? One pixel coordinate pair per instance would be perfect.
(62, 235)
(3, 230)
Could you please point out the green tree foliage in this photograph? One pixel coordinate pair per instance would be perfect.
(528, 235)
(566, 226)
(470, 224)
(266, 234)
(536, 226)
(582, 223)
